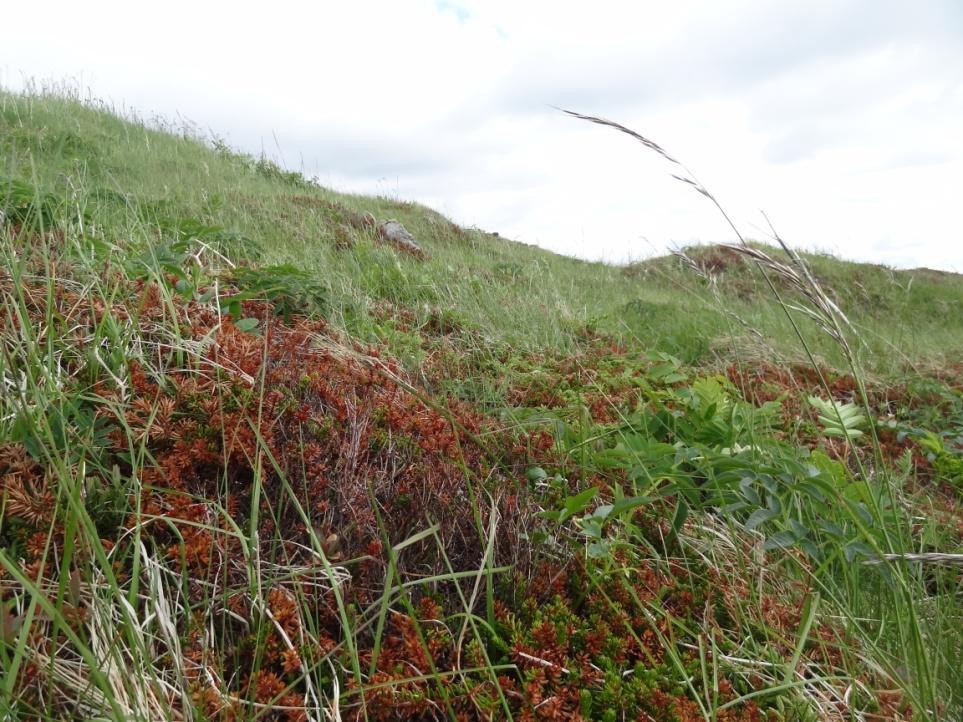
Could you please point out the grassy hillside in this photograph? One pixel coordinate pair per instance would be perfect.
(258, 463)
(142, 185)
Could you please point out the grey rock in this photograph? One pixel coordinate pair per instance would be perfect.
(398, 236)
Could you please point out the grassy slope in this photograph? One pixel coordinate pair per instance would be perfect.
(512, 294)
(495, 323)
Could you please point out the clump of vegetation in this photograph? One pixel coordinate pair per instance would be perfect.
(23, 205)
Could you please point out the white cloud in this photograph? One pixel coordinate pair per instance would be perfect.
(840, 119)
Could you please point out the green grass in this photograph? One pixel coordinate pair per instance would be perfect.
(582, 488)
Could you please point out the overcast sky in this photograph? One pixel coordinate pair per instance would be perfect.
(841, 119)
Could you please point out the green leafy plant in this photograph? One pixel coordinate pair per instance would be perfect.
(947, 464)
(226, 242)
(21, 203)
(291, 290)
(839, 420)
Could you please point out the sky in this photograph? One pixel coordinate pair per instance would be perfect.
(841, 120)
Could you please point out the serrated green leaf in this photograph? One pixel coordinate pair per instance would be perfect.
(536, 473)
(758, 517)
(857, 548)
(577, 503)
(779, 540)
(246, 324)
